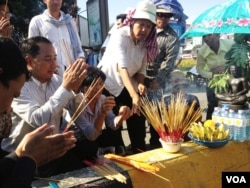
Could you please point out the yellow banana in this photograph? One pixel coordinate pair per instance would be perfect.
(207, 133)
(221, 128)
(220, 135)
(226, 134)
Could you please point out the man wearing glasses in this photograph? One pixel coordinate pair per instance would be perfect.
(159, 70)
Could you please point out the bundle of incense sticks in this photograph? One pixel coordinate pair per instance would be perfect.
(137, 164)
(6, 4)
(106, 171)
(66, 49)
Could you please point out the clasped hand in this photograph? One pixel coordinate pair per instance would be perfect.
(42, 146)
(5, 27)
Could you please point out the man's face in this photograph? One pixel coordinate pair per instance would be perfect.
(43, 66)
(211, 39)
(8, 93)
(53, 5)
(162, 19)
(98, 85)
(6, 96)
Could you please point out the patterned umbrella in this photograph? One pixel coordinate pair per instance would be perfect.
(230, 17)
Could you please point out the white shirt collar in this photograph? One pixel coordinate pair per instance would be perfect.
(38, 83)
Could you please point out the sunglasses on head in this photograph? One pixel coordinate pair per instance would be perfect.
(165, 15)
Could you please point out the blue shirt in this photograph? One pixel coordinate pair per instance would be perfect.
(92, 59)
(85, 122)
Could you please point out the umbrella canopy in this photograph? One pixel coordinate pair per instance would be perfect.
(230, 17)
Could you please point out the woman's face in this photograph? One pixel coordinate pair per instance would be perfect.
(142, 28)
(7, 94)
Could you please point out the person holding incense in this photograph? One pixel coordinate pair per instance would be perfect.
(98, 116)
(124, 62)
(43, 98)
(38, 147)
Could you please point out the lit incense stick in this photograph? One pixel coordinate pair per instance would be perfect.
(5, 8)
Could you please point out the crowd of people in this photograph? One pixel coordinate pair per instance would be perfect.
(53, 77)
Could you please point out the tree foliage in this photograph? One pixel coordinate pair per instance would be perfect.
(239, 57)
(24, 10)
(70, 7)
(237, 65)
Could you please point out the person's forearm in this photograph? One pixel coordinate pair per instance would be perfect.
(200, 67)
(127, 82)
(29, 109)
(100, 120)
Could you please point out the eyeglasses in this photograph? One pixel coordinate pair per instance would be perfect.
(165, 15)
(5, 14)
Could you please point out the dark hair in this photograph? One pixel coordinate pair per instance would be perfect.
(121, 16)
(30, 45)
(90, 48)
(12, 62)
(93, 73)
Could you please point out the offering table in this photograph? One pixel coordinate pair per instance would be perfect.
(192, 166)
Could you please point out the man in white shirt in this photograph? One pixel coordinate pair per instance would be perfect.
(61, 30)
(44, 96)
